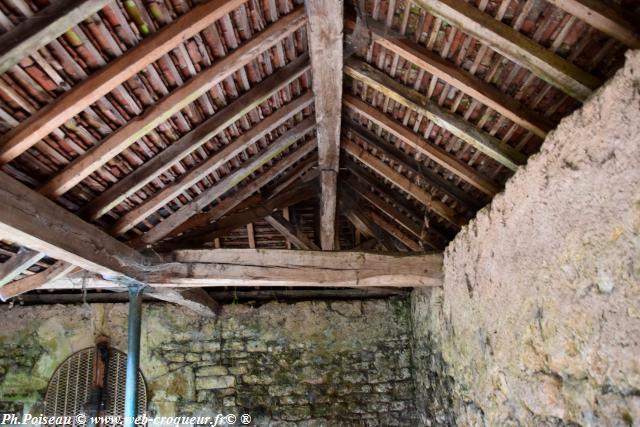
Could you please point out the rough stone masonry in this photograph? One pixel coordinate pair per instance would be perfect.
(344, 363)
(538, 322)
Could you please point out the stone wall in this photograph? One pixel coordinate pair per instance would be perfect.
(539, 319)
(310, 363)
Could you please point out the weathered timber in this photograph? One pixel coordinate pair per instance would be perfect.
(284, 227)
(18, 264)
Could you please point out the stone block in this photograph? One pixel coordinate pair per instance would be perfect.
(215, 382)
(208, 371)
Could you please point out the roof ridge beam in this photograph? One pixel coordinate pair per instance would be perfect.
(515, 46)
(435, 153)
(114, 144)
(215, 124)
(39, 125)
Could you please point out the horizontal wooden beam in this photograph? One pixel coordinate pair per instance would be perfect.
(459, 78)
(160, 163)
(413, 166)
(515, 46)
(288, 230)
(100, 154)
(489, 145)
(100, 83)
(231, 296)
(42, 28)
(403, 183)
(40, 224)
(602, 17)
(212, 193)
(435, 153)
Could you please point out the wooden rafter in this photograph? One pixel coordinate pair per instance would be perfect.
(214, 192)
(491, 146)
(403, 183)
(18, 264)
(35, 281)
(215, 161)
(288, 230)
(400, 218)
(160, 163)
(44, 27)
(395, 231)
(263, 208)
(359, 219)
(430, 150)
(85, 93)
(458, 77)
(514, 45)
(603, 17)
(325, 47)
(413, 166)
(100, 154)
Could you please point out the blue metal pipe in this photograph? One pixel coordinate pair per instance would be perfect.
(133, 355)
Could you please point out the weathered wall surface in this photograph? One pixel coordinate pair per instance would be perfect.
(307, 364)
(539, 319)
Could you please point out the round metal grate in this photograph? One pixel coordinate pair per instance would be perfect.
(70, 386)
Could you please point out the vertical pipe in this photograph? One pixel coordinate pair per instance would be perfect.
(133, 355)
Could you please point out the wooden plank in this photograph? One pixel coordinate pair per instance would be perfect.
(461, 79)
(35, 281)
(399, 217)
(40, 224)
(410, 164)
(515, 46)
(228, 203)
(85, 93)
(491, 146)
(325, 46)
(160, 163)
(603, 17)
(192, 177)
(42, 28)
(403, 183)
(212, 193)
(115, 143)
(18, 264)
(437, 154)
(284, 227)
